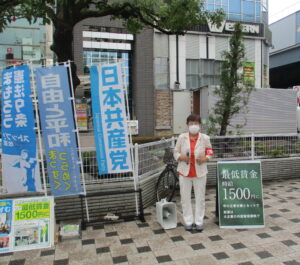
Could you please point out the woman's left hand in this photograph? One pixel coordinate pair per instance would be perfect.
(201, 160)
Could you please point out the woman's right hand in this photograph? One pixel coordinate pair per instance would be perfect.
(184, 158)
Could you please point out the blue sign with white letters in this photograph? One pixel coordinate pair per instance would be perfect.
(110, 123)
(19, 149)
(57, 121)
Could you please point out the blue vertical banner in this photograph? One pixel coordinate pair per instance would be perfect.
(110, 122)
(20, 165)
(5, 225)
(58, 129)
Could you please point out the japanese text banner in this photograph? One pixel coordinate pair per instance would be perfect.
(19, 150)
(109, 116)
(57, 123)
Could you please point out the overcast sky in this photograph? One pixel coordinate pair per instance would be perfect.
(281, 8)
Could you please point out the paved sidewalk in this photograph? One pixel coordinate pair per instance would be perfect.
(146, 243)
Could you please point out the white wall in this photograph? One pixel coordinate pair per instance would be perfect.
(283, 33)
(172, 61)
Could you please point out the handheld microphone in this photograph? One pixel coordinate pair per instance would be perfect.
(188, 155)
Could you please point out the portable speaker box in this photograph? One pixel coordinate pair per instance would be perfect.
(166, 214)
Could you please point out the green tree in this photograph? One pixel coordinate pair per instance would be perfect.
(168, 16)
(10, 10)
(233, 93)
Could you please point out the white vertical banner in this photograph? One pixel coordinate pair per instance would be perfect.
(110, 119)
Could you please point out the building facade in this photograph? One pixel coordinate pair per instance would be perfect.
(22, 41)
(284, 54)
(157, 65)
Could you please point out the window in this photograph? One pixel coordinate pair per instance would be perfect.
(161, 73)
(240, 10)
(248, 8)
(201, 73)
(235, 6)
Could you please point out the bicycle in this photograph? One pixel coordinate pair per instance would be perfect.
(168, 180)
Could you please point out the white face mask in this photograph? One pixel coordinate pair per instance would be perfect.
(194, 129)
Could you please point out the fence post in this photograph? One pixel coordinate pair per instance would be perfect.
(252, 146)
(136, 176)
(173, 142)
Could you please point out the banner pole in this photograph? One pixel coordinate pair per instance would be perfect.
(37, 118)
(77, 137)
(134, 171)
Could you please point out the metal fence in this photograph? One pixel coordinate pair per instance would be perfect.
(150, 158)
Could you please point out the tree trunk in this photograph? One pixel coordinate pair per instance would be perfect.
(63, 48)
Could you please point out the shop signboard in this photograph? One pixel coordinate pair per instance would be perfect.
(240, 194)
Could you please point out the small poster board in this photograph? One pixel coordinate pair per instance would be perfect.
(26, 223)
(240, 194)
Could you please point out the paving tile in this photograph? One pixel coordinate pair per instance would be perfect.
(177, 238)
(264, 254)
(276, 228)
(291, 262)
(197, 246)
(143, 249)
(102, 250)
(126, 241)
(47, 252)
(275, 215)
(159, 231)
(297, 234)
(263, 235)
(215, 238)
(143, 225)
(17, 262)
(109, 234)
(284, 210)
(61, 262)
(120, 259)
(289, 243)
(246, 263)
(162, 259)
(295, 220)
(88, 241)
(220, 255)
(238, 245)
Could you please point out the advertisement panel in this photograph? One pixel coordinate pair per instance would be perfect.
(5, 225)
(240, 194)
(58, 129)
(109, 117)
(33, 223)
(82, 117)
(249, 73)
(20, 166)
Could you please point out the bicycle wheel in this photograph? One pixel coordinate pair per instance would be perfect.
(166, 185)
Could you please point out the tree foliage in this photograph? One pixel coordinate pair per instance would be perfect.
(168, 16)
(233, 93)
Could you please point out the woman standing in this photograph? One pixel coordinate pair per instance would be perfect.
(192, 151)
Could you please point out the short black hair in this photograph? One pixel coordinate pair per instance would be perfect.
(193, 117)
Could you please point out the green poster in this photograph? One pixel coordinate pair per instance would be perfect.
(249, 73)
(240, 194)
